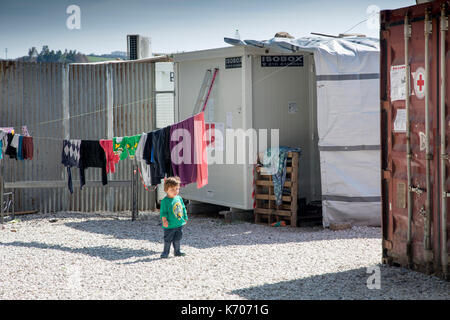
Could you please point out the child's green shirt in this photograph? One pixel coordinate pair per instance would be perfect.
(174, 210)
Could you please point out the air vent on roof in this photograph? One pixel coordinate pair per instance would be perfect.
(138, 47)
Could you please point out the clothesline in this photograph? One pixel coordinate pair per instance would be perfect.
(153, 151)
(84, 114)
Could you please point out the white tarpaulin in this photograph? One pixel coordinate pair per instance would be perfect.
(347, 72)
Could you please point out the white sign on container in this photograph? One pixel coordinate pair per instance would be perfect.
(400, 121)
(398, 82)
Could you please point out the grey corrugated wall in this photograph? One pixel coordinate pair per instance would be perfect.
(41, 95)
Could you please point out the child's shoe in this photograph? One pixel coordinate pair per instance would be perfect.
(180, 254)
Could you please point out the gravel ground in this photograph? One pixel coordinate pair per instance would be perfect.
(107, 256)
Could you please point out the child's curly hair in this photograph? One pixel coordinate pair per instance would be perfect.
(171, 182)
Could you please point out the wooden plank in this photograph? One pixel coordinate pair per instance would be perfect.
(271, 197)
(284, 213)
(25, 212)
(287, 184)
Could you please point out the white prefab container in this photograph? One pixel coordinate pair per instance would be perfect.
(256, 90)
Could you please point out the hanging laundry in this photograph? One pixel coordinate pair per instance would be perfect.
(182, 152)
(126, 146)
(145, 168)
(158, 165)
(274, 160)
(147, 154)
(27, 146)
(70, 158)
(200, 150)
(2, 142)
(117, 145)
(15, 141)
(10, 150)
(25, 131)
(111, 157)
(92, 155)
(19, 148)
(167, 158)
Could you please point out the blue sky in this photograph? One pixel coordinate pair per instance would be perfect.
(173, 25)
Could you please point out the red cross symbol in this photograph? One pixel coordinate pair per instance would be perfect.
(420, 82)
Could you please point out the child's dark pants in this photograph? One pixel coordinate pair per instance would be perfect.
(172, 236)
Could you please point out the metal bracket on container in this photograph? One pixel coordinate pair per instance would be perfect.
(428, 25)
(407, 30)
(446, 194)
(422, 211)
(444, 24)
(444, 156)
(417, 190)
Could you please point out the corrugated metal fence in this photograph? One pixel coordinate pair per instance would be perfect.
(80, 101)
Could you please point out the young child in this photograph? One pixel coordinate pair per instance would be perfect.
(174, 216)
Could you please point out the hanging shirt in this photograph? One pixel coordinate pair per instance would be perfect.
(92, 155)
(182, 151)
(10, 150)
(15, 141)
(158, 165)
(200, 150)
(126, 146)
(167, 158)
(145, 168)
(27, 148)
(111, 157)
(148, 148)
(70, 157)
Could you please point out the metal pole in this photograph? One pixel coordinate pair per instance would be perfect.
(2, 190)
(444, 155)
(134, 190)
(428, 155)
(132, 194)
(13, 201)
(407, 33)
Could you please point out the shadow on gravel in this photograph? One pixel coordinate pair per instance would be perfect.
(395, 284)
(205, 233)
(103, 252)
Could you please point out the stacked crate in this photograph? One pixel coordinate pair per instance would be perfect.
(266, 210)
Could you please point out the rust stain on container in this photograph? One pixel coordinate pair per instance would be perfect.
(415, 220)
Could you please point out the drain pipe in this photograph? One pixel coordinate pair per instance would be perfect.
(407, 33)
(428, 155)
(444, 155)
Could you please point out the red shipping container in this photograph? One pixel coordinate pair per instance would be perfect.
(415, 136)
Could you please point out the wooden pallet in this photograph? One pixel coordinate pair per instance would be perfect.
(266, 211)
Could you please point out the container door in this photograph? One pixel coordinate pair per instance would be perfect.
(411, 172)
